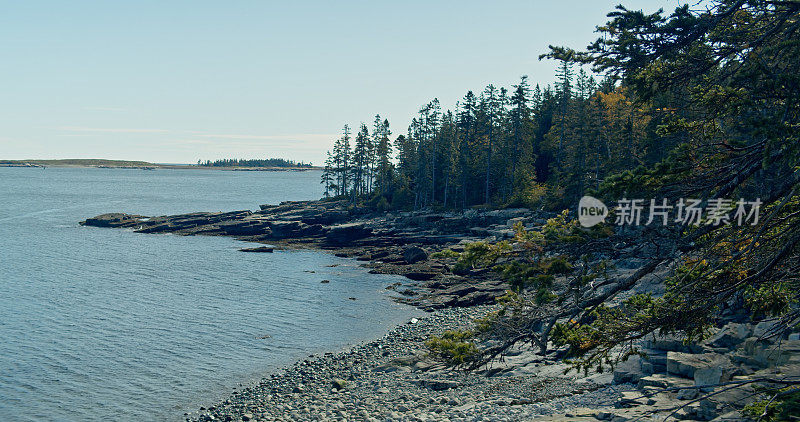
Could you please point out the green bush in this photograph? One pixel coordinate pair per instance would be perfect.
(785, 407)
(453, 346)
(445, 253)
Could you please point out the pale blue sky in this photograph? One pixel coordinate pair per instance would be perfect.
(178, 81)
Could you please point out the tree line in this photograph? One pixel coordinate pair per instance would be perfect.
(267, 162)
(518, 146)
(691, 104)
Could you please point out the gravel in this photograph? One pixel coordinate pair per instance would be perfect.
(392, 379)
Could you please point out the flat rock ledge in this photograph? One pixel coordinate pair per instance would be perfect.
(388, 243)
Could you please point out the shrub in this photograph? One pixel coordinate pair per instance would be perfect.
(453, 346)
(784, 407)
(446, 253)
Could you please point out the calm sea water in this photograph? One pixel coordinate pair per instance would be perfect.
(107, 324)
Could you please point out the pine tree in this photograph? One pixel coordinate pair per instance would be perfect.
(383, 152)
(328, 175)
(490, 105)
(564, 90)
(466, 129)
(519, 116)
(360, 164)
(341, 158)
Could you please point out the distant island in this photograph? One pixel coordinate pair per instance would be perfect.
(270, 164)
(255, 163)
(79, 162)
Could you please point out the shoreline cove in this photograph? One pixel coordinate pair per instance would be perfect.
(395, 377)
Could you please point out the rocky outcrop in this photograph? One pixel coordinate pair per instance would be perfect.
(114, 219)
(346, 234)
(414, 254)
(389, 243)
(698, 376)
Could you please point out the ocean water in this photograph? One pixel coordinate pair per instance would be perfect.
(108, 324)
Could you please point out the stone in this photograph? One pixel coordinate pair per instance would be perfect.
(437, 385)
(631, 398)
(767, 355)
(420, 276)
(464, 407)
(604, 416)
(261, 249)
(685, 364)
(724, 400)
(730, 336)
(345, 234)
(628, 371)
(663, 381)
(765, 329)
(710, 376)
(414, 254)
(672, 343)
(247, 416)
(653, 362)
(687, 394)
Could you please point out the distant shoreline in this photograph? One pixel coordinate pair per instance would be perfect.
(135, 165)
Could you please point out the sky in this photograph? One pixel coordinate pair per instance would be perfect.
(175, 81)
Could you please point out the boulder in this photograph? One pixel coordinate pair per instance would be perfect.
(414, 254)
(766, 329)
(766, 354)
(672, 343)
(654, 362)
(420, 276)
(722, 402)
(730, 336)
(687, 394)
(344, 234)
(262, 249)
(629, 371)
(685, 364)
(663, 381)
(712, 375)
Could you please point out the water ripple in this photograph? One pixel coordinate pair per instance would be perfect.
(104, 324)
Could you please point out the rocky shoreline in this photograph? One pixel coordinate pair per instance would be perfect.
(387, 243)
(393, 378)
